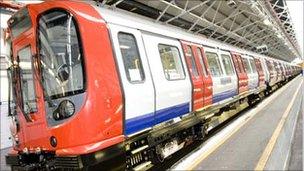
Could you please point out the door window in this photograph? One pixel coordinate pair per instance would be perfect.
(200, 56)
(27, 81)
(189, 54)
(171, 61)
(214, 64)
(236, 64)
(246, 65)
(227, 64)
(241, 65)
(253, 67)
(259, 65)
(132, 62)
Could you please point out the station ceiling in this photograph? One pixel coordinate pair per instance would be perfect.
(260, 26)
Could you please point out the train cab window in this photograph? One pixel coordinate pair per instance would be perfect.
(246, 65)
(189, 54)
(214, 64)
(227, 64)
(131, 59)
(253, 67)
(200, 56)
(171, 61)
(61, 56)
(27, 82)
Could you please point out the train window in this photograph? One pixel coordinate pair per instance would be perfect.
(246, 65)
(189, 54)
(61, 56)
(227, 64)
(131, 59)
(171, 61)
(253, 67)
(20, 22)
(214, 64)
(27, 82)
(200, 56)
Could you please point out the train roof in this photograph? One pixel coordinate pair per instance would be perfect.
(131, 20)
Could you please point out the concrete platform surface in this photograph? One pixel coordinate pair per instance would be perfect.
(244, 148)
(296, 154)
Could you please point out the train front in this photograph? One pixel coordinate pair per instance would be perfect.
(66, 103)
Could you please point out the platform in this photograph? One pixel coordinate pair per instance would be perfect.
(262, 138)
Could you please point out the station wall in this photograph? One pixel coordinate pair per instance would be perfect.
(4, 54)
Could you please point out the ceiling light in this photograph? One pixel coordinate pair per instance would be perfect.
(231, 3)
(266, 22)
(279, 36)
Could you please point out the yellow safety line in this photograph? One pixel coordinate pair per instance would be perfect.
(266, 153)
(204, 155)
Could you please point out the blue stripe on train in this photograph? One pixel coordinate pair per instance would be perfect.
(148, 120)
(223, 95)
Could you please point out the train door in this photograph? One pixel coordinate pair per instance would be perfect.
(265, 70)
(277, 71)
(224, 82)
(28, 95)
(242, 76)
(271, 72)
(280, 70)
(283, 70)
(216, 71)
(230, 80)
(201, 58)
(260, 72)
(139, 94)
(196, 76)
(251, 72)
(275, 64)
(171, 79)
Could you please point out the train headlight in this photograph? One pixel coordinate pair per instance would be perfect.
(65, 110)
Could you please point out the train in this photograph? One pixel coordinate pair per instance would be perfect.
(94, 87)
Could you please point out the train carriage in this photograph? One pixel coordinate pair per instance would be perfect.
(97, 87)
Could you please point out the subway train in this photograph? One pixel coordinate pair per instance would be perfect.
(94, 87)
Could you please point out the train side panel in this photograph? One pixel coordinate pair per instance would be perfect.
(135, 75)
(223, 75)
(171, 79)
